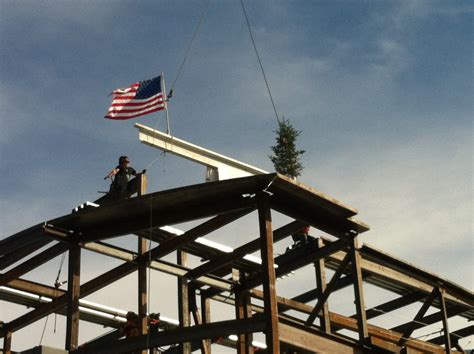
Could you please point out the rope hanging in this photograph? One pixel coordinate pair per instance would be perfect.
(57, 284)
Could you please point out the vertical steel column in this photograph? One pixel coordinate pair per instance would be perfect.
(444, 314)
(142, 290)
(242, 311)
(358, 292)
(7, 343)
(206, 318)
(73, 294)
(268, 270)
(195, 312)
(183, 302)
(321, 284)
(142, 269)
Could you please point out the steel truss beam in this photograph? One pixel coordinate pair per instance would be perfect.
(179, 335)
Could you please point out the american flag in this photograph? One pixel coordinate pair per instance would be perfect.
(136, 100)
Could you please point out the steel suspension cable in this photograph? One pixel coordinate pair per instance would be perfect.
(204, 11)
(259, 60)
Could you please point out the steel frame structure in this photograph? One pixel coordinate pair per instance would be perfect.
(230, 277)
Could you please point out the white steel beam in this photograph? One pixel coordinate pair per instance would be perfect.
(219, 167)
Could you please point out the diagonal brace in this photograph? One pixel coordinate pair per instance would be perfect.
(419, 316)
(325, 294)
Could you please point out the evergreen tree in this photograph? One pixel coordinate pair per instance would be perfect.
(286, 158)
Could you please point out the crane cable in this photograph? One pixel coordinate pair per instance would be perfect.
(259, 60)
(178, 74)
(203, 13)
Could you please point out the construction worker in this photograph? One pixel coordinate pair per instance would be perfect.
(131, 328)
(120, 176)
(301, 238)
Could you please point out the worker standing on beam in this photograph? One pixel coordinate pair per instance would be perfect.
(120, 176)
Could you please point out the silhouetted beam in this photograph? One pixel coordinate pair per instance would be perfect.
(419, 315)
(147, 213)
(327, 222)
(308, 296)
(33, 262)
(21, 239)
(430, 319)
(103, 280)
(198, 231)
(394, 304)
(160, 265)
(179, 335)
(12, 257)
(329, 288)
(382, 337)
(455, 335)
(106, 339)
(249, 248)
(85, 290)
(85, 313)
(297, 262)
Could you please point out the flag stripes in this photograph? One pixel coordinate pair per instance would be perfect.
(138, 99)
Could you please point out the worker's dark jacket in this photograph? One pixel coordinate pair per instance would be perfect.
(119, 185)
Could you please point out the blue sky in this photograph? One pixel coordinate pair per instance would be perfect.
(381, 90)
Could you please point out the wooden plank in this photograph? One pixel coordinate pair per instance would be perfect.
(268, 272)
(314, 341)
(303, 193)
(325, 294)
(196, 315)
(33, 263)
(206, 318)
(320, 271)
(179, 335)
(240, 252)
(7, 343)
(183, 303)
(358, 293)
(242, 311)
(73, 294)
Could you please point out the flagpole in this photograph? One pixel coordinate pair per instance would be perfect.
(165, 100)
